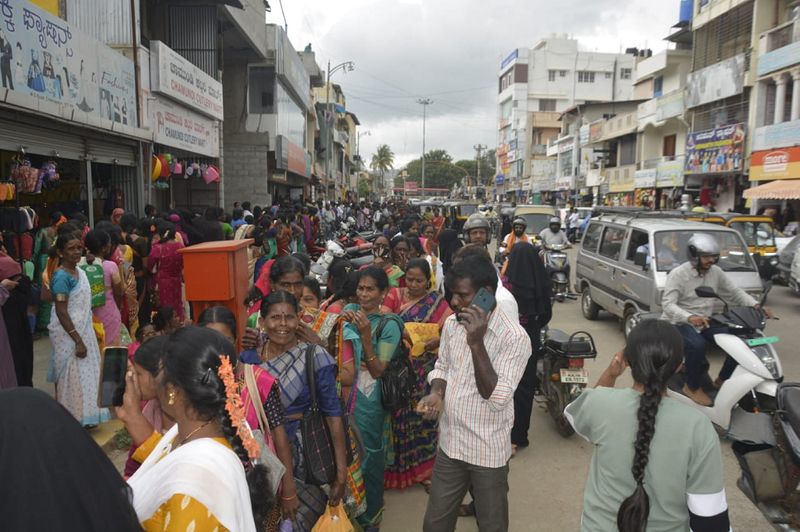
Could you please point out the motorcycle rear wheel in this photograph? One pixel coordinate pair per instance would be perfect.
(556, 406)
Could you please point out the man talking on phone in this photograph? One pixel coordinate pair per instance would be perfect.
(482, 356)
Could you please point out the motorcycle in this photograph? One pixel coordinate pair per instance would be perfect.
(561, 373)
(758, 411)
(359, 256)
(556, 262)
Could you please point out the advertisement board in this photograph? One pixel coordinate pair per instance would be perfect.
(777, 135)
(775, 164)
(178, 127)
(596, 131)
(715, 151)
(670, 173)
(52, 67)
(174, 76)
(716, 81)
(289, 156)
(645, 178)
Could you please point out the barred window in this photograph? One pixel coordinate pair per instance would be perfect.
(724, 37)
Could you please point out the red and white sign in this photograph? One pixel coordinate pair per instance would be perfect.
(783, 163)
(410, 186)
(178, 127)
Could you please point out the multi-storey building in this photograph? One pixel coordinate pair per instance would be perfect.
(535, 86)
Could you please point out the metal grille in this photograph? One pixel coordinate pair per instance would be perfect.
(193, 34)
(722, 112)
(724, 37)
(108, 177)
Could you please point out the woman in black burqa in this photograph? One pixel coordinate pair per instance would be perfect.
(531, 287)
(62, 481)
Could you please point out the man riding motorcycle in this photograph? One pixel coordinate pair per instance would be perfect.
(553, 235)
(517, 234)
(477, 230)
(691, 313)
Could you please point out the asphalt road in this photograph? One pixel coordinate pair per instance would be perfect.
(547, 479)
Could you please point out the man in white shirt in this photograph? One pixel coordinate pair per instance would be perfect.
(553, 235)
(481, 359)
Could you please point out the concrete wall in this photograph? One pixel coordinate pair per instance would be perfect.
(246, 174)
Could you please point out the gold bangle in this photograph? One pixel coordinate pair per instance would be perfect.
(368, 360)
(289, 498)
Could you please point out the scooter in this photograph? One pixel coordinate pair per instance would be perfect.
(561, 372)
(556, 263)
(759, 412)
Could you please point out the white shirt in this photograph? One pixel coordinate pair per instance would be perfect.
(473, 429)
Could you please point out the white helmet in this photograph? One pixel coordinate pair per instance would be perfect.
(702, 244)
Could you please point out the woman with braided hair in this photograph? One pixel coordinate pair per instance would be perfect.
(200, 474)
(657, 464)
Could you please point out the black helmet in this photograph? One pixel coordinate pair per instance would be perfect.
(478, 221)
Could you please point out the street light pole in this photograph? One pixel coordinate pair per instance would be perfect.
(425, 102)
(346, 66)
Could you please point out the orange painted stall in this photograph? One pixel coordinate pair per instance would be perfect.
(216, 273)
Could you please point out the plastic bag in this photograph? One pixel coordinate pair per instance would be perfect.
(94, 273)
(334, 520)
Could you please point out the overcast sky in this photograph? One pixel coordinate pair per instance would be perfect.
(450, 51)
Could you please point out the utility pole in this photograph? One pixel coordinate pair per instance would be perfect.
(347, 65)
(425, 102)
(478, 149)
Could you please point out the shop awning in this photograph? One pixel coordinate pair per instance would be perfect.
(780, 190)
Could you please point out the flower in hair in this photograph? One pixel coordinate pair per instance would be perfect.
(235, 409)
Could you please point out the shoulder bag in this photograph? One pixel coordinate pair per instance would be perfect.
(317, 445)
(398, 379)
(267, 457)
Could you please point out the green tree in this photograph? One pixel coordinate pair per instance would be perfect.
(364, 188)
(440, 172)
(382, 160)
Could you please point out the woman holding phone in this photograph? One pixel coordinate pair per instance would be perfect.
(75, 350)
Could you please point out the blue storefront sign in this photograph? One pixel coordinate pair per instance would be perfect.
(500, 179)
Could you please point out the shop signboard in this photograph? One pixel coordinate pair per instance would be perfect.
(178, 127)
(645, 178)
(715, 82)
(621, 179)
(775, 164)
(583, 135)
(715, 151)
(50, 66)
(499, 179)
(777, 135)
(594, 177)
(670, 173)
(547, 183)
(511, 57)
(174, 76)
(563, 182)
(289, 156)
(596, 131)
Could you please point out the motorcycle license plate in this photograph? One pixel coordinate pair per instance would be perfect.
(574, 376)
(753, 342)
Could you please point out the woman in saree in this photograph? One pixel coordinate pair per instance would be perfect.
(123, 256)
(76, 355)
(414, 438)
(374, 337)
(319, 321)
(45, 239)
(284, 357)
(98, 243)
(382, 251)
(199, 475)
(167, 264)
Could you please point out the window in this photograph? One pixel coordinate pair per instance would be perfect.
(261, 89)
(562, 73)
(625, 73)
(671, 249)
(608, 75)
(627, 150)
(551, 75)
(638, 239)
(611, 245)
(547, 105)
(592, 237)
(585, 77)
(658, 86)
(669, 146)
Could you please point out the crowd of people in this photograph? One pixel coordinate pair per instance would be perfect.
(270, 430)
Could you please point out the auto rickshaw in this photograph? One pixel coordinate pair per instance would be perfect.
(758, 233)
(459, 211)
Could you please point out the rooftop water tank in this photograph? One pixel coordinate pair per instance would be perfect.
(687, 8)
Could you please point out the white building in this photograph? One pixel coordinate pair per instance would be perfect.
(534, 87)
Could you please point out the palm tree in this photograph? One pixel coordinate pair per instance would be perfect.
(382, 160)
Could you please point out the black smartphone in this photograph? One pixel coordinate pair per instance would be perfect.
(113, 365)
(484, 300)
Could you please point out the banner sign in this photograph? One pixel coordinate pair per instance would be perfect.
(289, 156)
(715, 151)
(715, 82)
(775, 164)
(49, 66)
(645, 178)
(178, 127)
(670, 173)
(174, 76)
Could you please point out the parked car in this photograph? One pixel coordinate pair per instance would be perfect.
(785, 258)
(624, 260)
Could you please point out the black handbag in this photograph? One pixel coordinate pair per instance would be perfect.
(318, 453)
(398, 379)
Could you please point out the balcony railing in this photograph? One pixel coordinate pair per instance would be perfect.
(539, 149)
(779, 47)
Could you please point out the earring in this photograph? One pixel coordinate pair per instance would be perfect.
(171, 400)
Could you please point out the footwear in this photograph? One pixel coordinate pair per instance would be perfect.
(718, 383)
(466, 510)
(698, 396)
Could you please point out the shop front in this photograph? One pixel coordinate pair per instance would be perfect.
(69, 135)
(292, 176)
(645, 194)
(669, 183)
(775, 178)
(621, 186)
(185, 114)
(714, 167)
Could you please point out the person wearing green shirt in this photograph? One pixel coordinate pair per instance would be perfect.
(657, 464)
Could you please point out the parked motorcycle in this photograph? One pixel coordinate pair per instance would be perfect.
(556, 262)
(759, 412)
(561, 372)
(359, 255)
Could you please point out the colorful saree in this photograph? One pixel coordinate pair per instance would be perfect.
(415, 440)
(371, 418)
